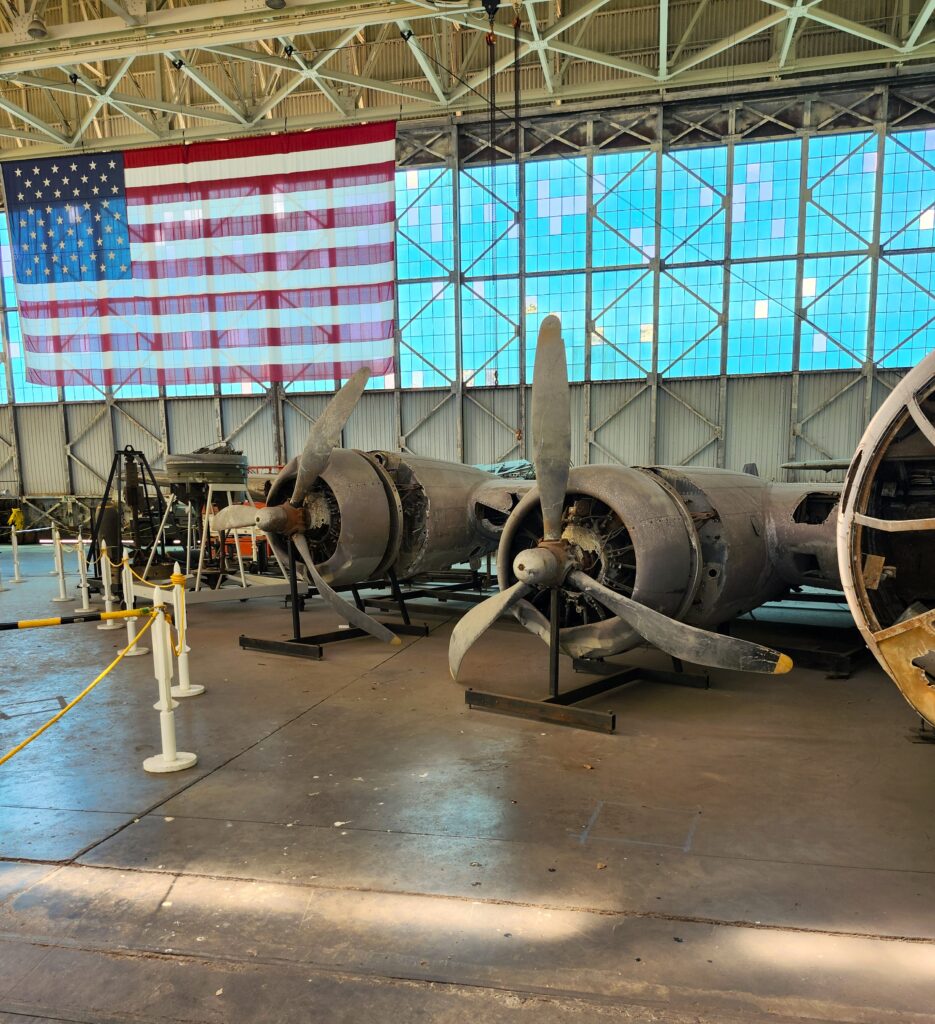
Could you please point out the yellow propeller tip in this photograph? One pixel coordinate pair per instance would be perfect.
(397, 642)
(783, 666)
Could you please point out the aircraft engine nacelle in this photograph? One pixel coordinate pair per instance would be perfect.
(370, 512)
(694, 544)
(634, 535)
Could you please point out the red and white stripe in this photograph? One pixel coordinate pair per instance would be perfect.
(267, 259)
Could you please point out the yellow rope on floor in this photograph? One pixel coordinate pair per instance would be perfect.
(20, 746)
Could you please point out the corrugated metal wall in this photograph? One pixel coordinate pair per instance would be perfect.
(767, 420)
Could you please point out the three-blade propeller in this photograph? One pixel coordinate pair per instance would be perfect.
(281, 522)
(552, 562)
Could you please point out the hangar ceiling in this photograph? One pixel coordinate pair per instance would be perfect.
(114, 73)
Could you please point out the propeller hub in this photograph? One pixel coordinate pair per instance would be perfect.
(541, 566)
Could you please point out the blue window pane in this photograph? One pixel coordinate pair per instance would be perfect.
(424, 237)
(622, 340)
(490, 314)
(624, 209)
(489, 231)
(303, 386)
(907, 216)
(427, 334)
(563, 296)
(835, 307)
(841, 178)
(761, 317)
(905, 316)
(137, 391)
(764, 212)
(694, 183)
(690, 301)
(556, 215)
(188, 390)
(247, 386)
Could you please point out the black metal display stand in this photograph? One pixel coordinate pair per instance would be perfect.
(560, 708)
(313, 647)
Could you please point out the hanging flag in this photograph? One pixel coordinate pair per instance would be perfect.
(265, 259)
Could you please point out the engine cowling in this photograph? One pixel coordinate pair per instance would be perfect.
(630, 532)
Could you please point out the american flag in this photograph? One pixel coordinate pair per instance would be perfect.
(268, 259)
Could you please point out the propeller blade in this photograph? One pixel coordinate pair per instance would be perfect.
(325, 434)
(272, 519)
(478, 620)
(683, 641)
(235, 517)
(349, 612)
(551, 424)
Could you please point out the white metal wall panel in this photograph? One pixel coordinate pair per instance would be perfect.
(758, 423)
(682, 436)
(296, 425)
(9, 480)
(250, 427)
(192, 424)
(139, 424)
(41, 434)
(373, 423)
(623, 436)
(490, 416)
(92, 446)
(436, 436)
(831, 416)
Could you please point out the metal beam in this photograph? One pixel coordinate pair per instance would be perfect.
(922, 19)
(663, 40)
(121, 12)
(540, 46)
(100, 100)
(422, 59)
(763, 25)
(198, 26)
(196, 76)
(33, 121)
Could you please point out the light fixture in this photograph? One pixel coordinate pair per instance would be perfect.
(178, 64)
(289, 50)
(275, 5)
(36, 29)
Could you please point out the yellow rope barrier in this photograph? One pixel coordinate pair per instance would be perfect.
(6, 757)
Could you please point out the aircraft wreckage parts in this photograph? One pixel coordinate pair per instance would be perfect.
(349, 516)
(886, 537)
(698, 545)
(630, 533)
(372, 511)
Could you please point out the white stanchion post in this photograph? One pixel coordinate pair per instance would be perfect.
(108, 588)
(55, 546)
(126, 581)
(2, 587)
(14, 542)
(170, 759)
(83, 576)
(185, 687)
(60, 568)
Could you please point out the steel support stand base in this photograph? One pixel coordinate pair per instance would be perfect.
(111, 625)
(68, 600)
(548, 710)
(192, 690)
(159, 764)
(313, 647)
(560, 709)
(620, 677)
(137, 652)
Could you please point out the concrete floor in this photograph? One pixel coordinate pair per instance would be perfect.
(354, 845)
